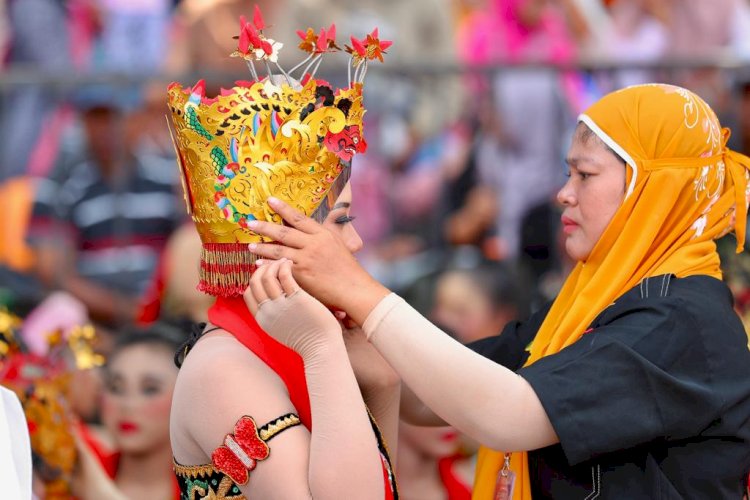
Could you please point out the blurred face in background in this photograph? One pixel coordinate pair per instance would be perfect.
(104, 134)
(431, 442)
(465, 310)
(137, 398)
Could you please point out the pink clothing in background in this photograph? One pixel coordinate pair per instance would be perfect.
(59, 311)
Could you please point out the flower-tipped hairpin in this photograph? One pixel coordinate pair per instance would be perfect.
(253, 46)
(362, 51)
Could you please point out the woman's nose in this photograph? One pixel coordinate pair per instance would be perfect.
(566, 195)
(352, 240)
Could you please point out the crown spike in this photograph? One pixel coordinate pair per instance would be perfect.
(301, 63)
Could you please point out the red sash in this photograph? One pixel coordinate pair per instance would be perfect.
(231, 314)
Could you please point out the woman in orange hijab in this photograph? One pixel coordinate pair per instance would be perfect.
(635, 382)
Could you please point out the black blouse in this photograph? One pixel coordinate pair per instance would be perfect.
(653, 402)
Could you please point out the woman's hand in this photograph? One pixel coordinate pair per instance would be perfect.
(288, 313)
(323, 265)
(90, 481)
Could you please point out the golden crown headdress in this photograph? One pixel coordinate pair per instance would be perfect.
(291, 138)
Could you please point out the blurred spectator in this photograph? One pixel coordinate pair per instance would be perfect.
(470, 208)
(742, 88)
(740, 30)
(477, 303)
(700, 29)
(430, 464)
(520, 155)
(637, 33)
(173, 293)
(422, 32)
(543, 260)
(139, 380)
(4, 32)
(133, 35)
(203, 37)
(18, 292)
(102, 219)
(40, 41)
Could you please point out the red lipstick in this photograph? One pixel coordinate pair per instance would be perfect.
(569, 225)
(128, 427)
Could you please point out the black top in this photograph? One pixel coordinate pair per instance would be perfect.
(653, 402)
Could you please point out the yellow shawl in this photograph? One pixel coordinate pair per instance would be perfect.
(685, 189)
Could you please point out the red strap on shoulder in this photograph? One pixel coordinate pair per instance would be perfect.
(231, 314)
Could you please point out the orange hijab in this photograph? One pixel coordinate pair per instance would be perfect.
(685, 189)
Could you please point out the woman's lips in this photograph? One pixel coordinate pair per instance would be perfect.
(449, 436)
(128, 427)
(569, 225)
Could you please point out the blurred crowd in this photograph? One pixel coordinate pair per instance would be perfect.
(467, 125)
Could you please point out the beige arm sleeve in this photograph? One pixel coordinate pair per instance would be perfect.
(485, 400)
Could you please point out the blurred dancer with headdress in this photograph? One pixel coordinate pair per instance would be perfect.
(139, 379)
(251, 418)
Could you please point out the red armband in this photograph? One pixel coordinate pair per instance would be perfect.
(243, 449)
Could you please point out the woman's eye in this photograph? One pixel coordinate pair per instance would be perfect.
(584, 175)
(344, 219)
(114, 388)
(151, 390)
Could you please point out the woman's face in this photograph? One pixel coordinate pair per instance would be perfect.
(339, 220)
(462, 307)
(433, 442)
(593, 193)
(137, 397)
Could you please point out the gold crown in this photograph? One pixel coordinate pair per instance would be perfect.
(275, 136)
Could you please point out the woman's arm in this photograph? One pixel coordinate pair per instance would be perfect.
(222, 381)
(342, 436)
(482, 399)
(379, 384)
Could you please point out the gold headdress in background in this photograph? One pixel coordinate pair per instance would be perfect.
(291, 138)
(42, 384)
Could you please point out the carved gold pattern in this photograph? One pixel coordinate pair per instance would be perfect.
(276, 134)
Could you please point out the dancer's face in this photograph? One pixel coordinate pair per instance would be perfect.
(137, 398)
(593, 193)
(339, 220)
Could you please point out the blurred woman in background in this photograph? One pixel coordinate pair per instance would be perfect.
(432, 465)
(139, 381)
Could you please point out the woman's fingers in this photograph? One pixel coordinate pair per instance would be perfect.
(270, 280)
(264, 285)
(287, 236)
(288, 283)
(293, 236)
(272, 251)
(250, 302)
(294, 217)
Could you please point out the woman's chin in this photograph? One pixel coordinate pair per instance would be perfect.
(576, 250)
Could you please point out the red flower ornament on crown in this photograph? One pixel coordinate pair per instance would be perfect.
(241, 451)
(287, 134)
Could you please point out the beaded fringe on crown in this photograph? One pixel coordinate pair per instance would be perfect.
(226, 269)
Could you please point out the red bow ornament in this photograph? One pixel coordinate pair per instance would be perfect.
(241, 451)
